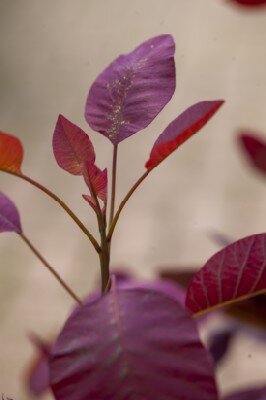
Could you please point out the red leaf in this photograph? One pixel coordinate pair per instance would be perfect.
(181, 129)
(132, 90)
(11, 153)
(131, 343)
(255, 149)
(9, 216)
(249, 3)
(72, 146)
(96, 180)
(237, 271)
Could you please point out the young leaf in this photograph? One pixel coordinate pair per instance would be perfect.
(258, 393)
(131, 343)
(96, 180)
(11, 153)
(72, 146)
(9, 216)
(131, 91)
(255, 149)
(234, 273)
(181, 129)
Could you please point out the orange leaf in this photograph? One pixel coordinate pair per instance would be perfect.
(11, 153)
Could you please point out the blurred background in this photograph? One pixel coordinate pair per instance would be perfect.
(51, 52)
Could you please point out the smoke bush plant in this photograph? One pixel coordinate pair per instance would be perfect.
(134, 340)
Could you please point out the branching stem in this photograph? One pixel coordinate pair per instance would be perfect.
(123, 203)
(62, 204)
(113, 190)
(51, 269)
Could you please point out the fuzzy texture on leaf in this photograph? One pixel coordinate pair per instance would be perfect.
(72, 146)
(181, 129)
(131, 343)
(258, 393)
(11, 153)
(9, 216)
(255, 148)
(236, 271)
(132, 90)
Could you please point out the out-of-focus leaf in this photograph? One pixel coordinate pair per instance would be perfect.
(236, 271)
(249, 3)
(72, 146)
(254, 147)
(220, 239)
(251, 311)
(11, 153)
(258, 393)
(9, 216)
(218, 343)
(131, 343)
(181, 129)
(179, 275)
(131, 91)
(37, 380)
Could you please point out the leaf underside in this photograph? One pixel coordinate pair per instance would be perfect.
(132, 90)
(131, 344)
(236, 272)
(181, 129)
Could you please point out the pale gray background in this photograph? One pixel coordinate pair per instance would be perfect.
(51, 51)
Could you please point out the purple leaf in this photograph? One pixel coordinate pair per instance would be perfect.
(131, 91)
(234, 273)
(131, 343)
(181, 129)
(72, 146)
(219, 342)
(255, 149)
(38, 376)
(9, 216)
(249, 394)
(11, 153)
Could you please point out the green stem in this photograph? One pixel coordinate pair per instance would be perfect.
(123, 203)
(62, 204)
(51, 269)
(112, 207)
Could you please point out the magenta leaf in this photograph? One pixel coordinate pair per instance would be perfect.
(72, 146)
(9, 216)
(38, 377)
(181, 129)
(255, 149)
(131, 343)
(132, 90)
(258, 393)
(236, 272)
(249, 3)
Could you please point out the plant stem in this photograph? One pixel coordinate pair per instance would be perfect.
(51, 269)
(123, 203)
(62, 204)
(229, 303)
(112, 206)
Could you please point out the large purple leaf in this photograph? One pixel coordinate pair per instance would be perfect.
(234, 273)
(9, 216)
(181, 129)
(131, 91)
(254, 147)
(72, 146)
(258, 393)
(11, 153)
(131, 344)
